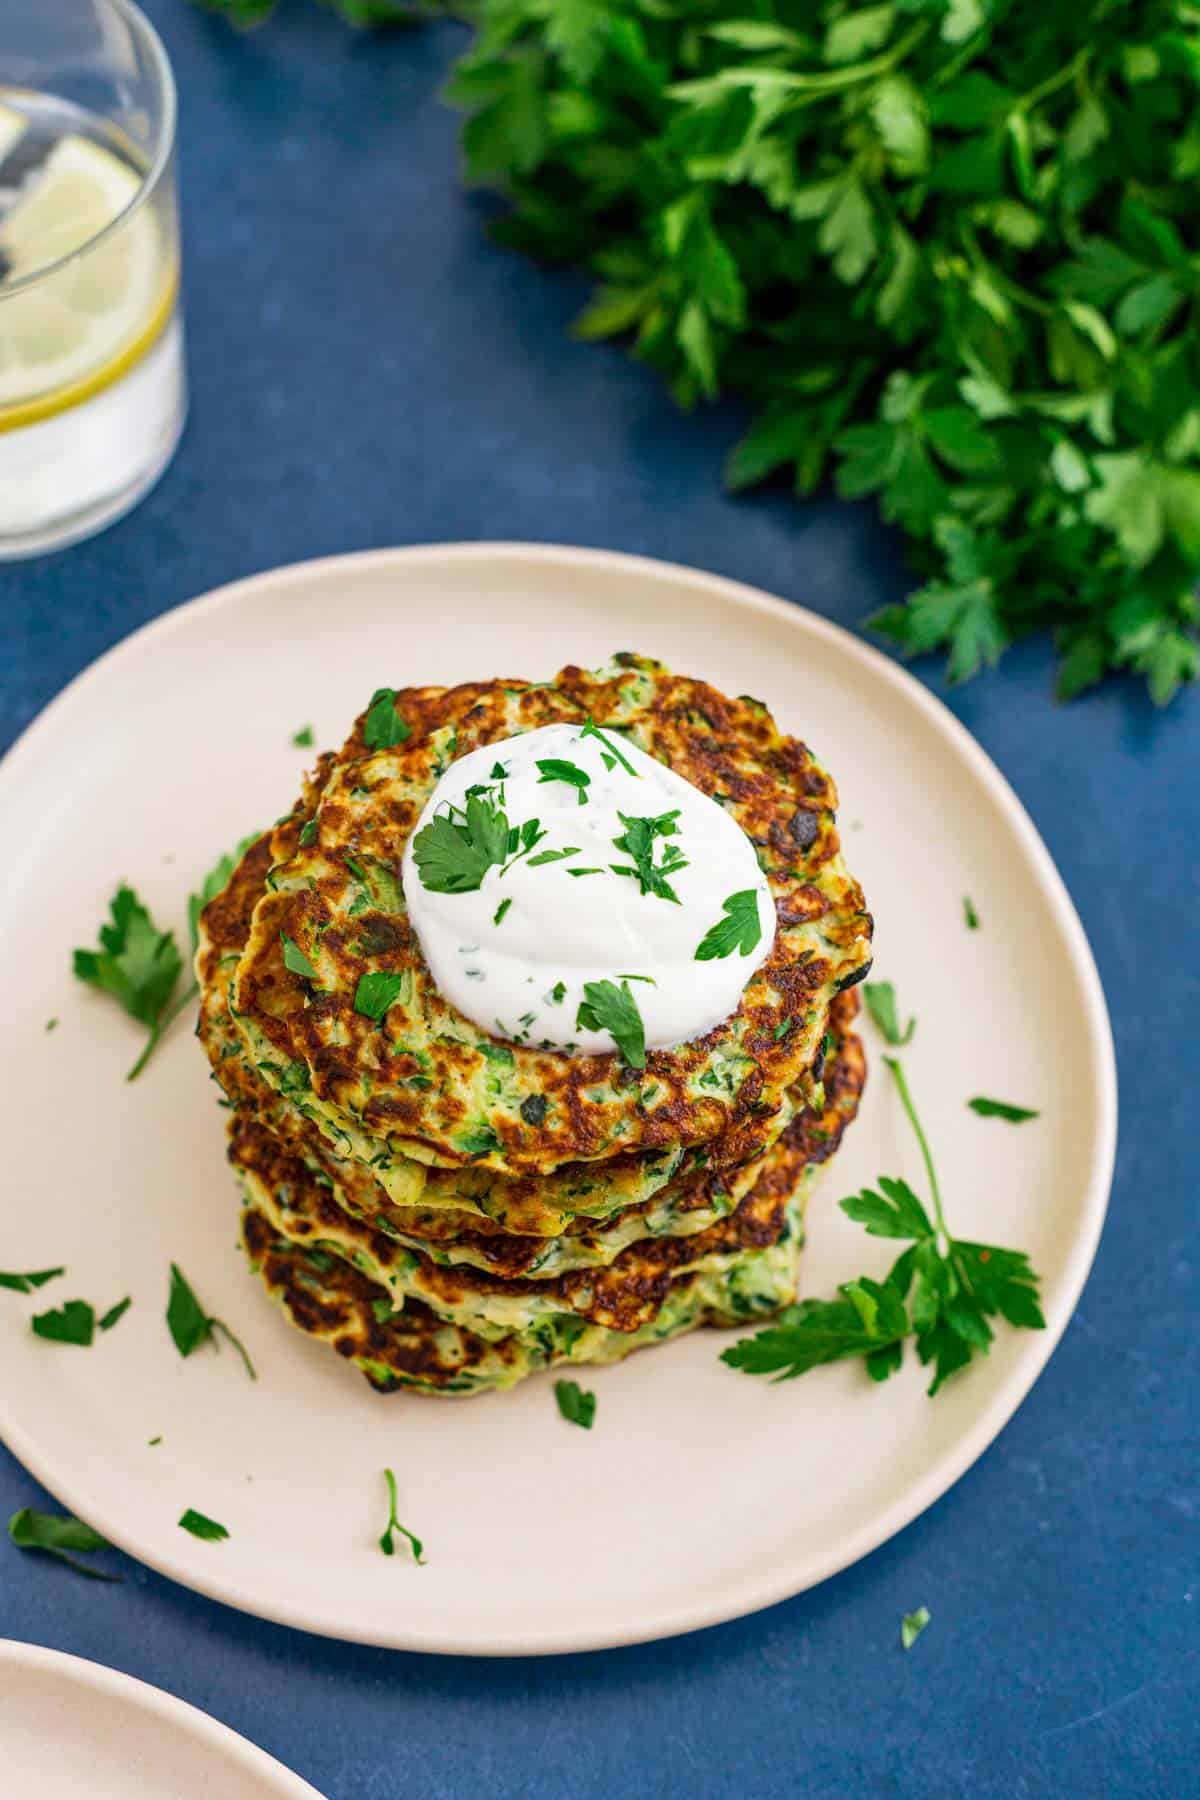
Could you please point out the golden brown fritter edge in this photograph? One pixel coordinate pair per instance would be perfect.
(729, 748)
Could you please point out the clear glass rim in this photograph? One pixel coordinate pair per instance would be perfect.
(140, 26)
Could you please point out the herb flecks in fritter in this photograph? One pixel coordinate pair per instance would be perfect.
(574, 1207)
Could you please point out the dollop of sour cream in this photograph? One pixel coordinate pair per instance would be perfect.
(516, 952)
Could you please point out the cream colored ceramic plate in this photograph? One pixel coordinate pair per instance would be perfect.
(701, 1493)
(72, 1730)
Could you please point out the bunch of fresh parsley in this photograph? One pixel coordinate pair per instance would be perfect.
(947, 250)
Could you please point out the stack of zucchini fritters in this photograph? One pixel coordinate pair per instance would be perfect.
(452, 1211)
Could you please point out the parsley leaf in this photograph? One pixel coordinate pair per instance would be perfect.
(577, 1405)
(549, 856)
(943, 1291)
(190, 1326)
(482, 1141)
(73, 1323)
(303, 739)
(202, 1527)
(140, 965)
(880, 997)
(295, 960)
(912, 1625)
(556, 768)
(386, 1543)
(638, 840)
(970, 916)
(58, 1534)
(25, 1284)
(377, 991)
(740, 929)
(455, 850)
(867, 1320)
(1000, 1109)
(384, 728)
(114, 1313)
(136, 963)
(607, 1007)
(611, 753)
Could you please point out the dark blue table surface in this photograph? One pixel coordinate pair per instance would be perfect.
(368, 369)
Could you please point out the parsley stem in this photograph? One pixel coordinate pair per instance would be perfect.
(1051, 85)
(893, 1063)
(158, 1030)
(216, 1325)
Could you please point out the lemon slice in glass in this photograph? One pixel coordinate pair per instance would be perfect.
(83, 324)
(12, 126)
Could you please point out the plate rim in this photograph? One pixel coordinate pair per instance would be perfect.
(111, 1683)
(780, 1585)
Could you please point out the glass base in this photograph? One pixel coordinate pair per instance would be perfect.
(102, 457)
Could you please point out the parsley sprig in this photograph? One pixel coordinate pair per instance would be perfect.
(191, 1326)
(942, 1291)
(454, 852)
(638, 841)
(139, 964)
(386, 1542)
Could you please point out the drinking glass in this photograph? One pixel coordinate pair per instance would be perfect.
(92, 383)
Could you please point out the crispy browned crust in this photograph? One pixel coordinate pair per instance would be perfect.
(338, 1305)
(369, 805)
(628, 1292)
(514, 1241)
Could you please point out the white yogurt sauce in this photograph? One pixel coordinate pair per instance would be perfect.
(519, 973)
